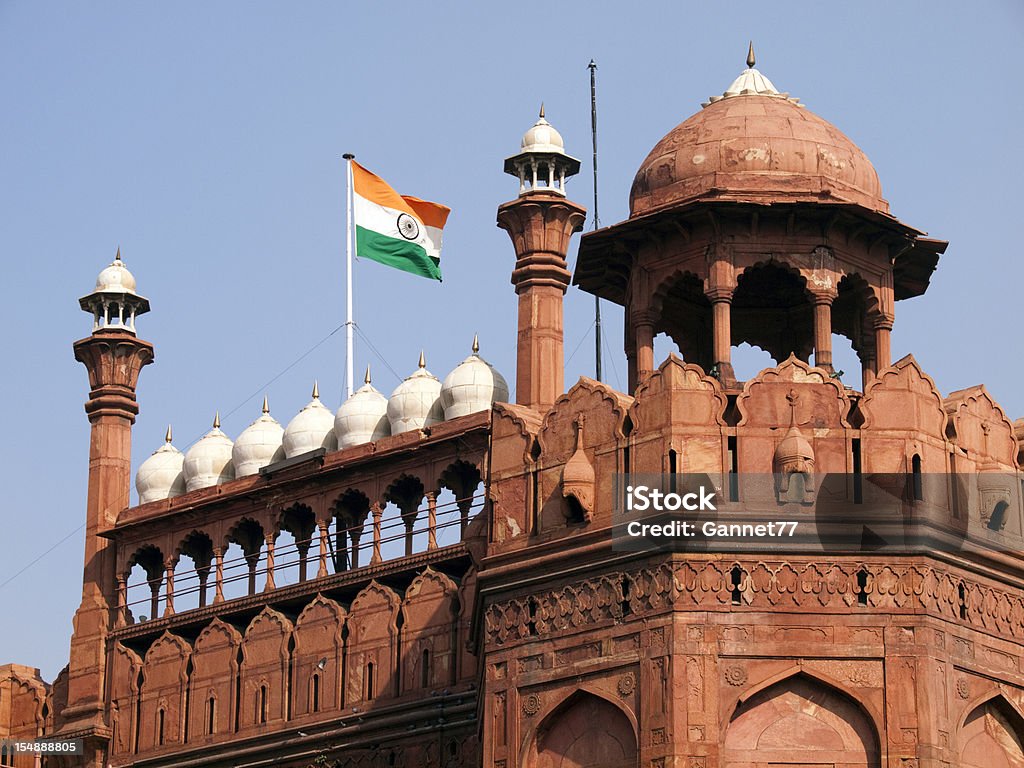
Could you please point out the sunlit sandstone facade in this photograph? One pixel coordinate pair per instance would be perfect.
(453, 597)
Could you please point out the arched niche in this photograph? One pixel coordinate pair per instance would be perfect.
(992, 736)
(372, 647)
(264, 670)
(584, 731)
(800, 721)
(213, 681)
(162, 700)
(428, 631)
(317, 658)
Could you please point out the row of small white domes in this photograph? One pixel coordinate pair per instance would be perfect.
(419, 401)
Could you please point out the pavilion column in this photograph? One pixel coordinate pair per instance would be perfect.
(721, 342)
(169, 601)
(121, 619)
(270, 585)
(643, 326)
(376, 511)
(321, 570)
(867, 368)
(431, 520)
(218, 577)
(823, 330)
(883, 343)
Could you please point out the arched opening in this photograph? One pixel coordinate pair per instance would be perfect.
(685, 315)
(247, 534)
(192, 572)
(351, 511)
(748, 361)
(406, 493)
(585, 731)
(145, 584)
(800, 721)
(992, 736)
(854, 312)
(771, 309)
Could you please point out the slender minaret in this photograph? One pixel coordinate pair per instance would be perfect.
(540, 222)
(113, 356)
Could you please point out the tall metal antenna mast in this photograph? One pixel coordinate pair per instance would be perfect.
(592, 66)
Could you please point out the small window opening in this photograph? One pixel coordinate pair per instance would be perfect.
(918, 481)
(160, 726)
(315, 703)
(425, 669)
(862, 586)
(998, 518)
(734, 469)
(858, 476)
(211, 716)
(673, 467)
(262, 705)
(626, 586)
(736, 577)
(369, 681)
(962, 601)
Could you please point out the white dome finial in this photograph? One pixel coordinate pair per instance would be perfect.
(472, 386)
(366, 378)
(168, 437)
(266, 405)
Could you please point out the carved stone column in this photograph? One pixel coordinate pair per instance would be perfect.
(540, 224)
(823, 329)
(721, 342)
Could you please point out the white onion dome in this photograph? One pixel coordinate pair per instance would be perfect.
(416, 402)
(208, 461)
(542, 137)
(115, 278)
(310, 429)
(362, 418)
(160, 476)
(259, 444)
(472, 386)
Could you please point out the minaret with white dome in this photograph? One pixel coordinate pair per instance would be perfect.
(542, 163)
(541, 222)
(115, 304)
(113, 356)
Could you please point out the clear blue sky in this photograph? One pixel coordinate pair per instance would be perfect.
(205, 139)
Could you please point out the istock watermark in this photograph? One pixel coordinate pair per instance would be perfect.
(833, 512)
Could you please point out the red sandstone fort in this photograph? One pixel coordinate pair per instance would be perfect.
(429, 579)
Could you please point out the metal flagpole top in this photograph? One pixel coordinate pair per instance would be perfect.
(348, 156)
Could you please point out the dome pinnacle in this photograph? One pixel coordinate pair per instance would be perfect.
(216, 420)
(316, 390)
(266, 405)
(750, 56)
(476, 343)
(366, 378)
(541, 115)
(167, 437)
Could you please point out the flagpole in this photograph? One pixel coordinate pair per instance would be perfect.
(592, 66)
(349, 323)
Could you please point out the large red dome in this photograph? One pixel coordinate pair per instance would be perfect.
(755, 148)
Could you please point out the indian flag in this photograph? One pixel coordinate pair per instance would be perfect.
(400, 231)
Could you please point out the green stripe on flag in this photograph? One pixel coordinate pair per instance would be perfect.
(400, 254)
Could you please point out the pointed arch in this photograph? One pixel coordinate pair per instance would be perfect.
(799, 716)
(586, 729)
(991, 733)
